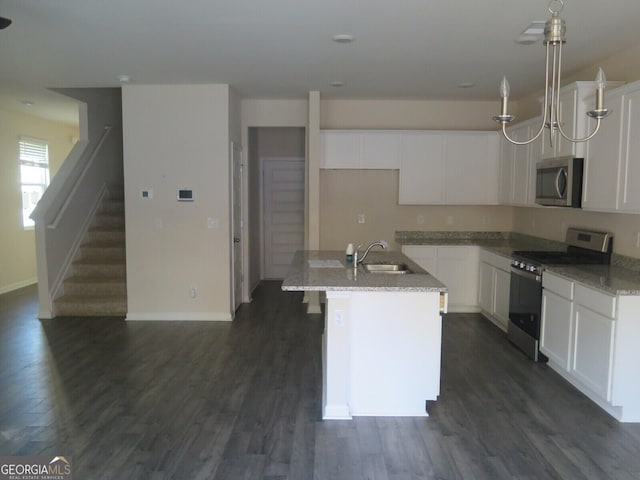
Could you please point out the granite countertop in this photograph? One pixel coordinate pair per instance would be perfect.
(622, 277)
(342, 277)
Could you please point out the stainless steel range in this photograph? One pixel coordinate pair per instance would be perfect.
(525, 298)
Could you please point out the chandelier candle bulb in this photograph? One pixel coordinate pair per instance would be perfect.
(601, 82)
(504, 94)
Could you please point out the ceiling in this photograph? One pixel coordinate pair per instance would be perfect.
(283, 48)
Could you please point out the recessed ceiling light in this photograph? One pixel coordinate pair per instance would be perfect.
(466, 85)
(124, 78)
(337, 83)
(27, 103)
(343, 38)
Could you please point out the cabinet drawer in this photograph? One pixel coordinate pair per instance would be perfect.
(498, 261)
(597, 301)
(558, 285)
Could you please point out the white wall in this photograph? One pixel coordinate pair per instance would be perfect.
(17, 255)
(178, 137)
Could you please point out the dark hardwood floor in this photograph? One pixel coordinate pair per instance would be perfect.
(241, 400)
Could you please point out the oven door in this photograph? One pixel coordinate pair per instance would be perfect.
(525, 300)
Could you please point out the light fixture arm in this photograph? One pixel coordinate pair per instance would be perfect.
(555, 30)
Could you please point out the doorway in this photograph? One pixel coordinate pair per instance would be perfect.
(272, 220)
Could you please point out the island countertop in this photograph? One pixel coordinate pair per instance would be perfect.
(312, 270)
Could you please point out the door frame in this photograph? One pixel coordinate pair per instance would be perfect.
(236, 231)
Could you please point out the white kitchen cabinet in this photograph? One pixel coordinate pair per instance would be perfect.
(576, 99)
(568, 112)
(591, 338)
(612, 162)
(593, 350)
(456, 267)
(360, 149)
(445, 167)
(517, 164)
(602, 161)
(556, 331)
(493, 287)
(421, 168)
(470, 168)
(629, 191)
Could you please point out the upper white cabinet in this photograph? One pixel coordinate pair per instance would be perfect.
(360, 149)
(453, 168)
(518, 164)
(576, 99)
(470, 168)
(612, 160)
(421, 168)
(436, 167)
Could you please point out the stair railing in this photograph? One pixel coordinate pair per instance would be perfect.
(87, 165)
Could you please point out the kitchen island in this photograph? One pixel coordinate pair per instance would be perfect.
(382, 338)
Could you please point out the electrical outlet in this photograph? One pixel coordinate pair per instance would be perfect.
(361, 218)
(338, 316)
(450, 220)
(485, 220)
(193, 291)
(420, 219)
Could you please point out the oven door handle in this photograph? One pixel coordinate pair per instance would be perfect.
(527, 275)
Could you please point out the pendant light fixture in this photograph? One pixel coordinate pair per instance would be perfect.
(554, 36)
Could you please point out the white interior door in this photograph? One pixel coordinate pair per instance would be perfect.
(283, 207)
(236, 205)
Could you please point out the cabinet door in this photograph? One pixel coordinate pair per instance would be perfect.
(556, 329)
(471, 168)
(381, 150)
(421, 168)
(521, 166)
(340, 149)
(507, 155)
(593, 350)
(602, 162)
(561, 147)
(486, 287)
(502, 285)
(630, 171)
(457, 268)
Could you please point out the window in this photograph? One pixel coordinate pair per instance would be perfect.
(34, 175)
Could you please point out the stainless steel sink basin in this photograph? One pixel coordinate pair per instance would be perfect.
(387, 267)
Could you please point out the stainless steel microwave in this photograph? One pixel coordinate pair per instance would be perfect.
(559, 182)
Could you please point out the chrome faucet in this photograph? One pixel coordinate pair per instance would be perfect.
(357, 261)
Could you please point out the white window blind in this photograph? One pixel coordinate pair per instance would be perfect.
(34, 174)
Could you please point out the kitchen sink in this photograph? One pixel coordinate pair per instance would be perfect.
(387, 267)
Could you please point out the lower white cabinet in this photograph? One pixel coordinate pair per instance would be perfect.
(591, 339)
(456, 267)
(593, 350)
(557, 321)
(493, 288)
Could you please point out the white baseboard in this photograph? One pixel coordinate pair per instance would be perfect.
(16, 286)
(179, 317)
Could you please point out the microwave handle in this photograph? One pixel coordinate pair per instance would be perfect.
(561, 171)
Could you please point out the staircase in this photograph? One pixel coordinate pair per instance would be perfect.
(98, 285)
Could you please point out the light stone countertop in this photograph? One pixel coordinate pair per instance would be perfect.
(614, 279)
(303, 277)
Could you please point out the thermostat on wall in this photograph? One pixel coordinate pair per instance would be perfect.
(185, 195)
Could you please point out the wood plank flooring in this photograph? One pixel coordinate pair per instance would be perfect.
(241, 400)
